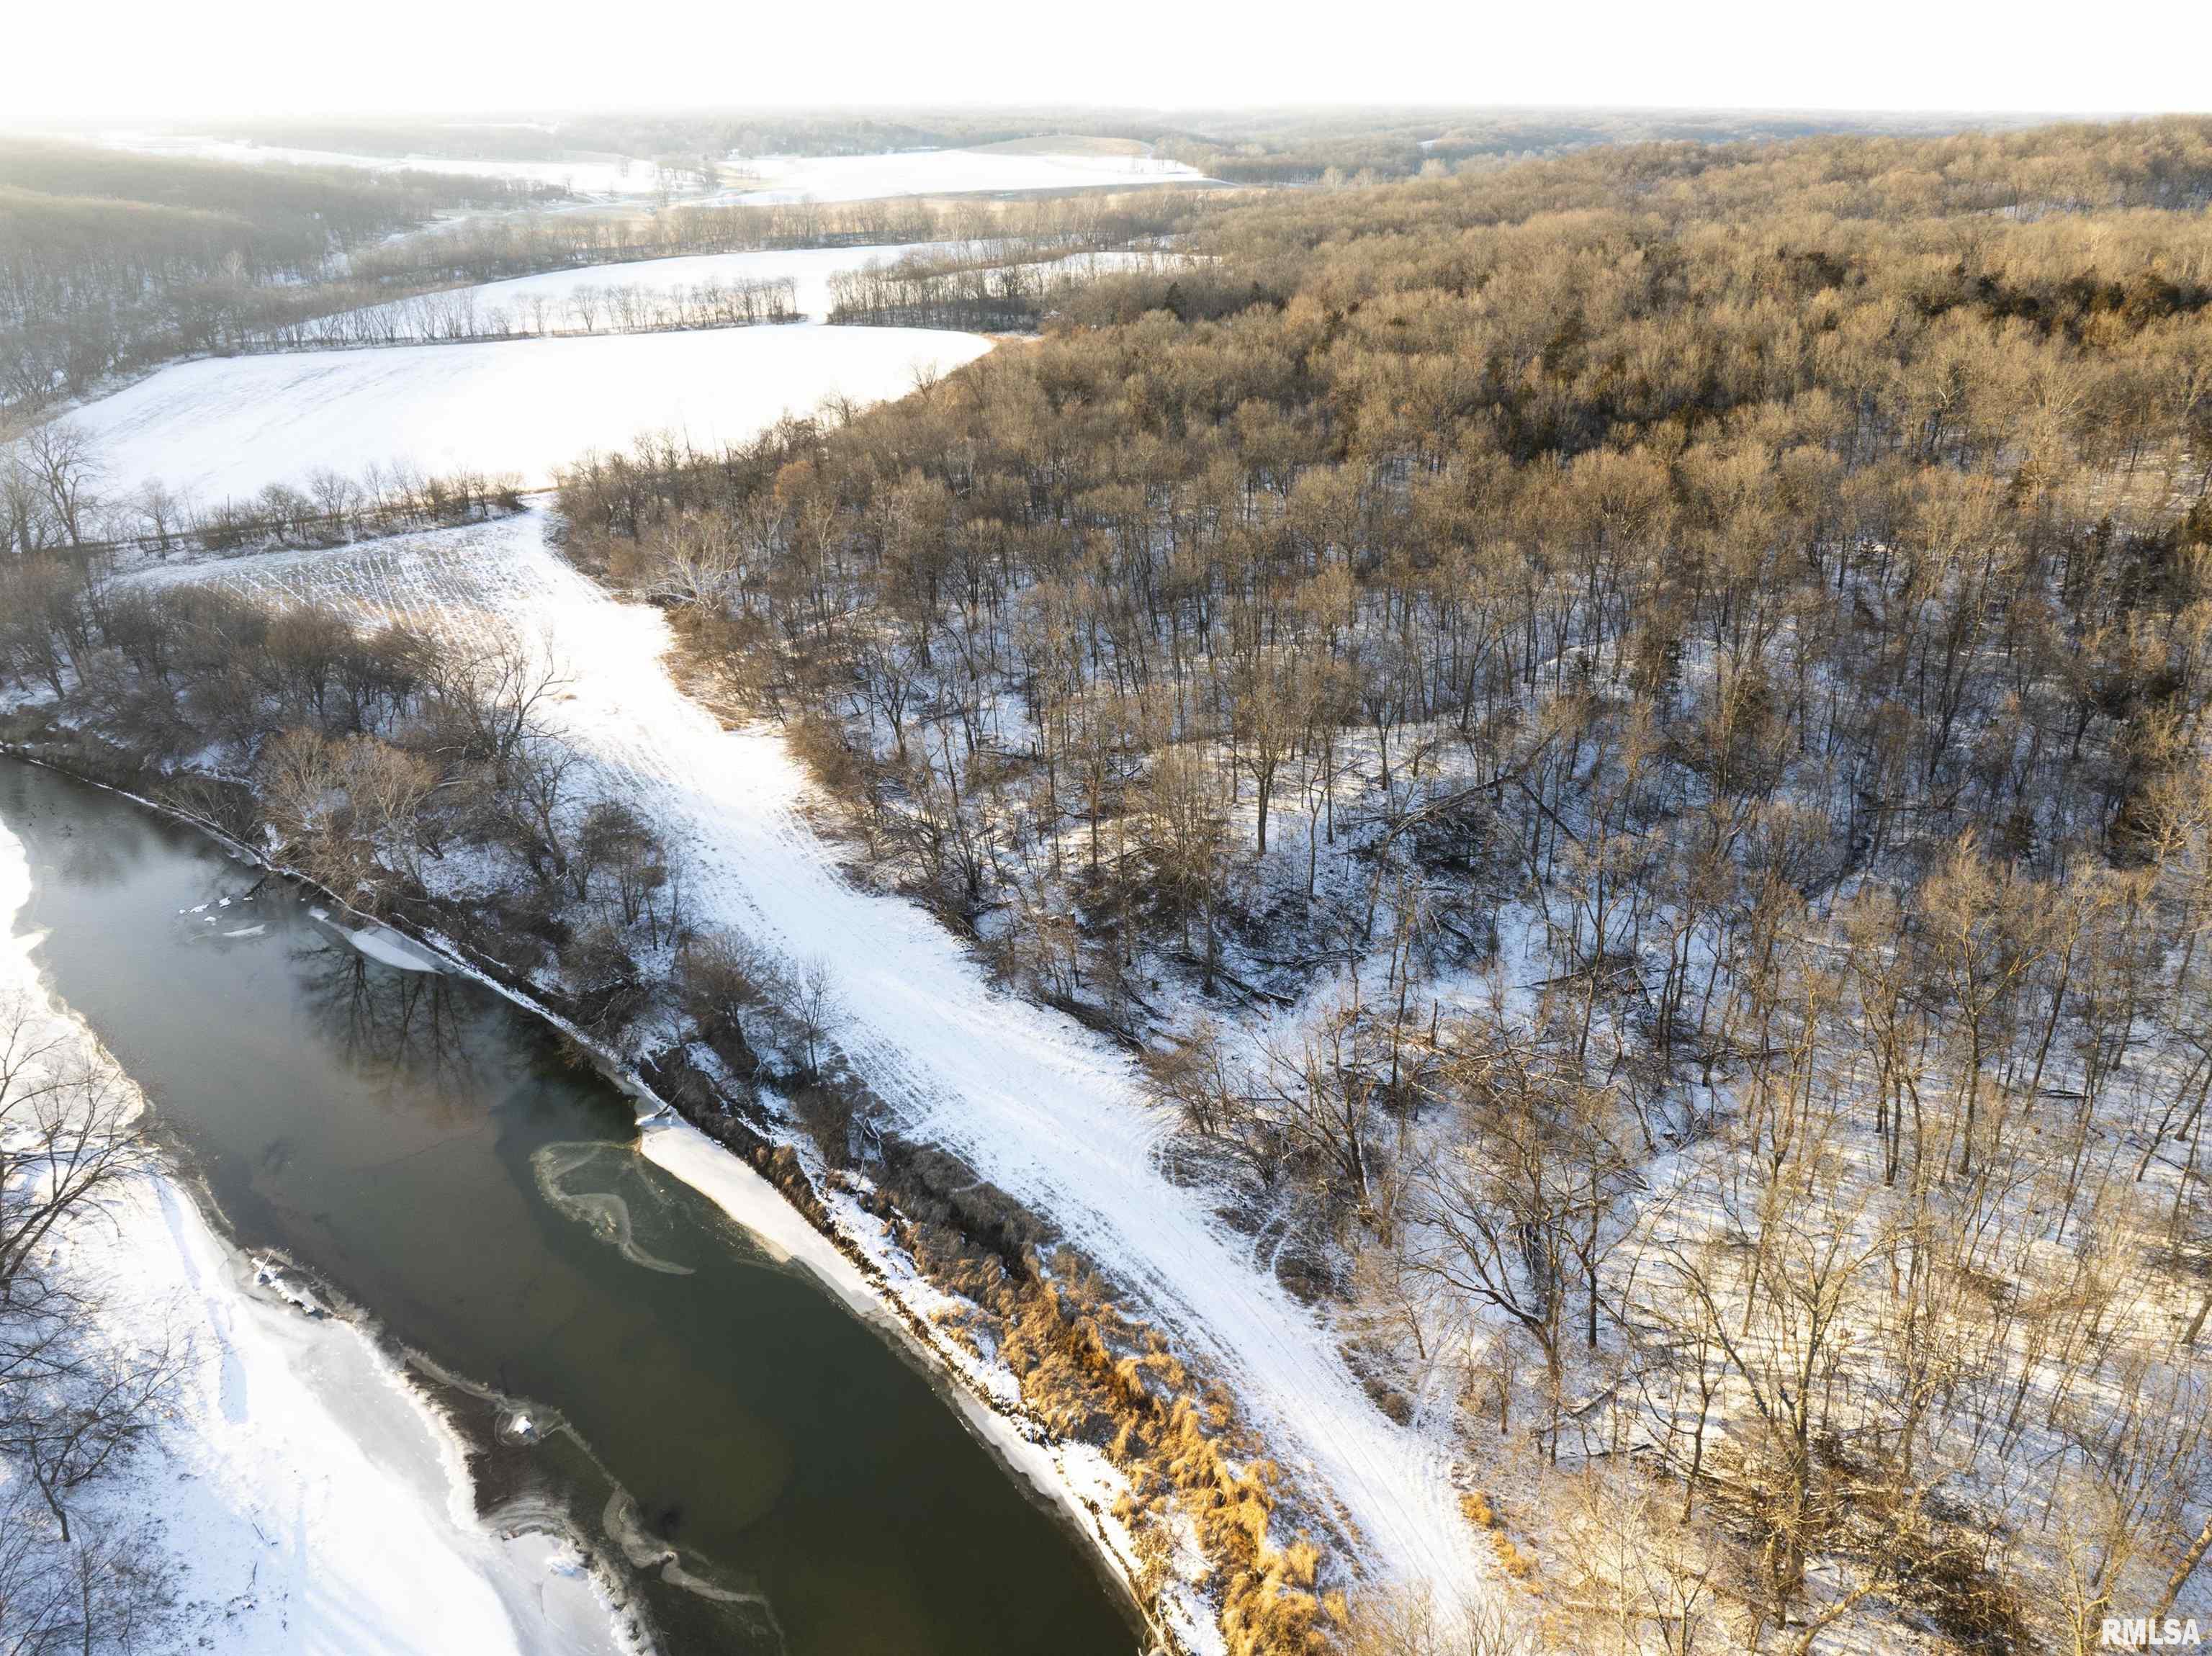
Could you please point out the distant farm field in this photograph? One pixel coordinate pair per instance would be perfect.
(226, 427)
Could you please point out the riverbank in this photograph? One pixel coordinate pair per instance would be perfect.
(851, 1253)
(803, 1219)
(527, 1327)
(1004, 1149)
(800, 1221)
(1045, 1117)
(309, 1497)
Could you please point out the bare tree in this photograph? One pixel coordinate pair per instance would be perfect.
(78, 1397)
(813, 1008)
(488, 703)
(62, 460)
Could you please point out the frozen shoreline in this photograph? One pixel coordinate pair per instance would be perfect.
(310, 1495)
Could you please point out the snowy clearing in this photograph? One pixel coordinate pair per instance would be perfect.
(557, 302)
(600, 175)
(1035, 1103)
(226, 427)
(787, 179)
(315, 1503)
(809, 268)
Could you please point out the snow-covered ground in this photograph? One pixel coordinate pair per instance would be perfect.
(315, 1504)
(605, 175)
(551, 302)
(224, 428)
(809, 268)
(1036, 1104)
(785, 178)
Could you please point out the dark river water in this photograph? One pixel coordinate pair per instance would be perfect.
(418, 1144)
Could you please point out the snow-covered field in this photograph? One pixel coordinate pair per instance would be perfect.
(224, 428)
(1038, 1105)
(315, 1504)
(785, 178)
(809, 268)
(608, 175)
(547, 303)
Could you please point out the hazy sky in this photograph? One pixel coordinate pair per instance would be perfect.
(128, 61)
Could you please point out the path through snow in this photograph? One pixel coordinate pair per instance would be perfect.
(1035, 1103)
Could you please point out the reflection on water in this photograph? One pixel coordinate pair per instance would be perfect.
(785, 1480)
(406, 1033)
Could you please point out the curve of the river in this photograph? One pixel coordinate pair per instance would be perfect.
(419, 1144)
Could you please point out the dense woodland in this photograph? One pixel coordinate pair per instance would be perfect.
(112, 261)
(1624, 735)
(1301, 147)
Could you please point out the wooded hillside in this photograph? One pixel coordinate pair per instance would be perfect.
(1626, 736)
(109, 260)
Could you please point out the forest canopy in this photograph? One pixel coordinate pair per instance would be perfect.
(1619, 736)
(1625, 734)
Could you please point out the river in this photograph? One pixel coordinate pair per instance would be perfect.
(419, 1144)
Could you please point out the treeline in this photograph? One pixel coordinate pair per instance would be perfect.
(298, 212)
(110, 261)
(466, 313)
(1626, 734)
(53, 500)
(372, 755)
(702, 132)
(401, 137)
(908, 293)
(981, 286)
(491, 250)
(1301, 148)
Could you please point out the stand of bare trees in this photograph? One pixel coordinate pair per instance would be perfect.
(110, 261)
(915, 294)
(79, 1397)
(459, 314)
(55, 502)
(373, 754)
(1624, 733)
